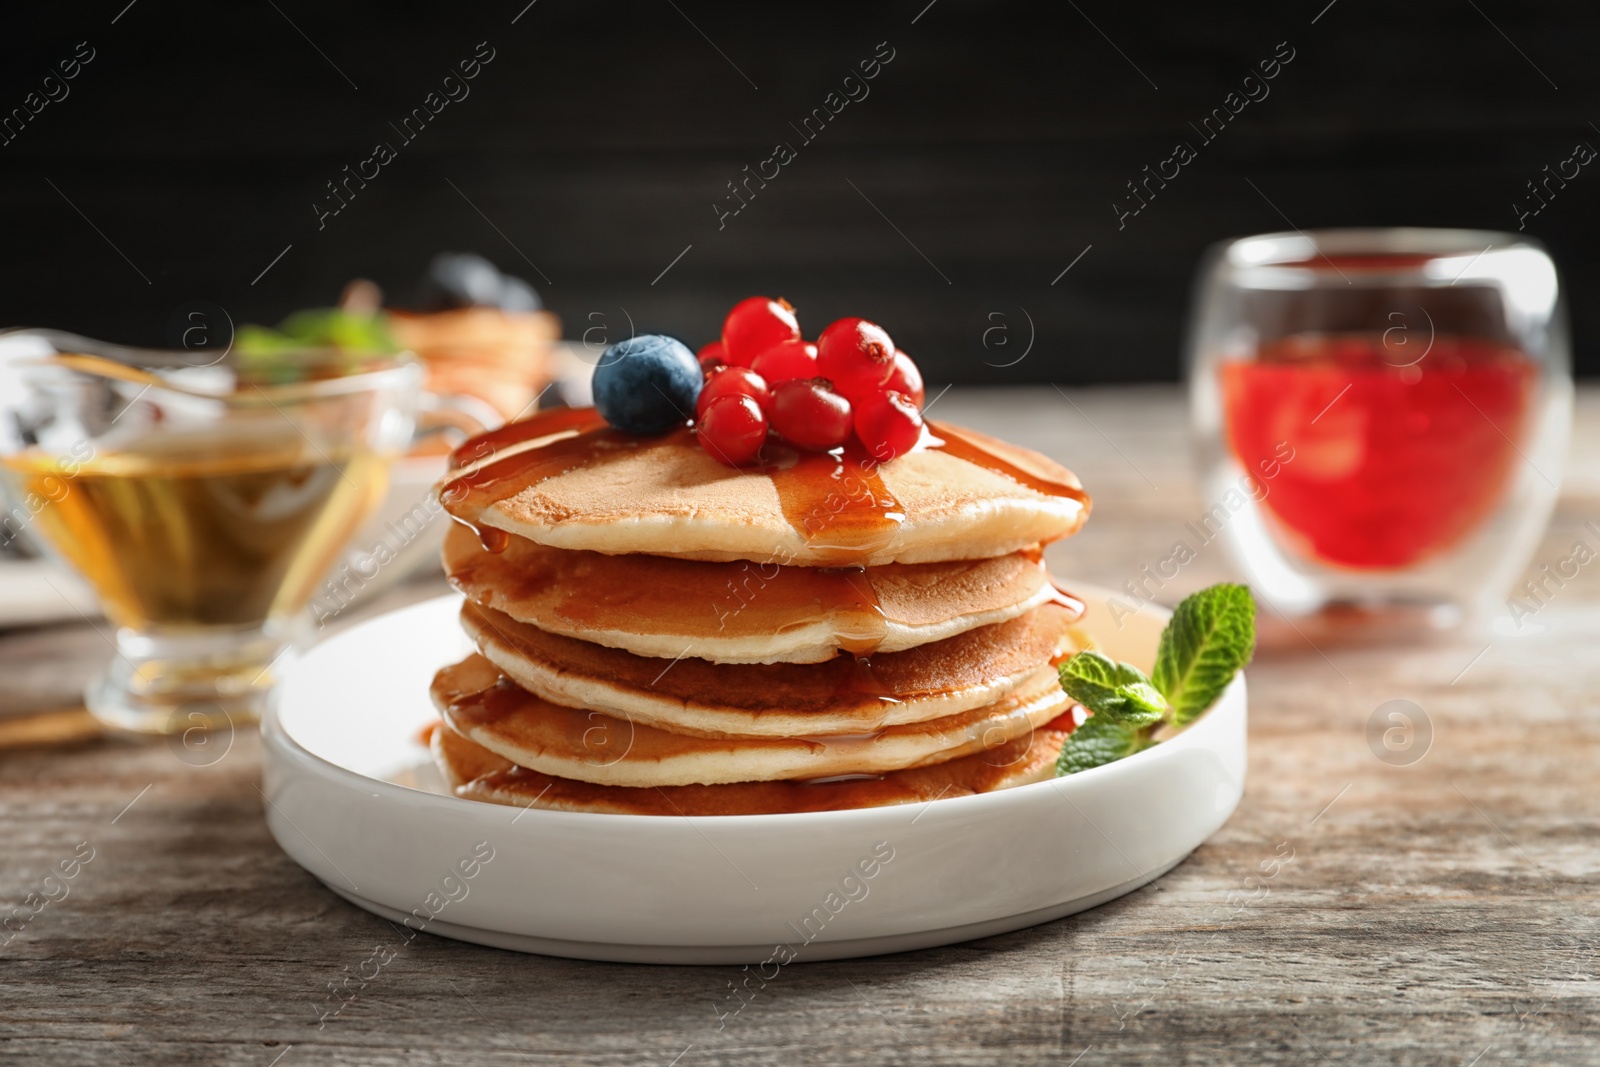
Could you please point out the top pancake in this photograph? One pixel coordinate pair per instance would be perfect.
(562, 479)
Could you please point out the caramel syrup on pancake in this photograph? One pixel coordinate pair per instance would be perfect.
(492, 477)
(483, 707)
(858, 683)
(861, 624)
(978, 450)
(1058, 596)
(837, 502)
(505, 698)
(1063, 599)
(540, 424)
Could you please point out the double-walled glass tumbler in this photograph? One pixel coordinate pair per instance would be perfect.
(1383, 414)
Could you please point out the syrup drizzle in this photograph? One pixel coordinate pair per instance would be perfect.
(837, 501)
(848, 594)
(484, 707)
(1058, 596)
(980, 450)
(496, 469)
(540, 424)
(858, 683)
(505, 698)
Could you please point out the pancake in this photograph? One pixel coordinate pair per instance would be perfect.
(844, 695)
(480, 704)
(741, 612)
(478, 774)
(563, 479)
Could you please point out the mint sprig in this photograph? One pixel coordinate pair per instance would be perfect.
(310, 341)
(1210, 637)
(1115, 691)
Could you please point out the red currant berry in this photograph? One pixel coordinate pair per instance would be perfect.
(732, 428)
(856, 356)
(906, 378)
(712, 356)
(810, 415)
(787, 360)
(733, 381)
(756, 324)
(888, 426)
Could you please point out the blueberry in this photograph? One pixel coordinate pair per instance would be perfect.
(647, 384)
(462, 280)
(516, 295)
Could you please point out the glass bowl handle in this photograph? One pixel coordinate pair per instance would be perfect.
(457, 414)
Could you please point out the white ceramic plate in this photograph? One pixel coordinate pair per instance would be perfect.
(353, 797)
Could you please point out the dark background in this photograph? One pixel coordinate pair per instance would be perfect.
(599, 137)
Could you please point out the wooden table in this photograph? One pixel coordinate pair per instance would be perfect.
(1441, 913)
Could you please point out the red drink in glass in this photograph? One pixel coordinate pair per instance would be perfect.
(1382, 416)
(1392, 464)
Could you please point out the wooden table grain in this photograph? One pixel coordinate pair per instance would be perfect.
(1351, 911)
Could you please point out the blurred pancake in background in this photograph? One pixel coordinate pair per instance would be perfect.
(480, 333)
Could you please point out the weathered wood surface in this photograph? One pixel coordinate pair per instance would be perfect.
(1440, 913)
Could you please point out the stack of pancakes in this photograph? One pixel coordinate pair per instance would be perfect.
(658, 633)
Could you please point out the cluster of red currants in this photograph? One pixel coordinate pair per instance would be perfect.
(762, 376)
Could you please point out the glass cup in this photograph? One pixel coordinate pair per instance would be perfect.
(1382, 416)
(202, 507)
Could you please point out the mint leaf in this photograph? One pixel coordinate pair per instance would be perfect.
(1212, 634)
(303, 341)
(1145, 705)
(1115, 691)
(1100, 740)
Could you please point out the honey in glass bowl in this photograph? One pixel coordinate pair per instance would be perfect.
(203, 508)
